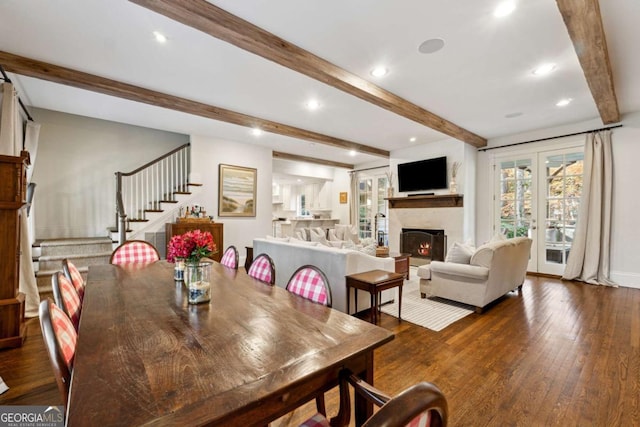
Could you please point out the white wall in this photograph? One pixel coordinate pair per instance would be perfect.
(455, 151)
(207, 153)
(625, 240)
(341, 183)
(74, 170)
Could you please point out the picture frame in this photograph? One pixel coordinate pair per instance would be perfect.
(343, 197)
(237, 191)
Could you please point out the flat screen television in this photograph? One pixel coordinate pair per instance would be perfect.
(429, 174)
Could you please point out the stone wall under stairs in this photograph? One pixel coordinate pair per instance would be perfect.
(82, 252)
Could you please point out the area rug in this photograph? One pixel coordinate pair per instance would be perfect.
(431, 313)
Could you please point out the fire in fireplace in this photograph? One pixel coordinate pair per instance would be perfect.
(424, 245)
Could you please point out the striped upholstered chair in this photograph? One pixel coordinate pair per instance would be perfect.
(263, 269)
(71, 272)
(422, 404)
(60, 340)
(311, 283)
(230, 258)
(134, 252)
(66, 297)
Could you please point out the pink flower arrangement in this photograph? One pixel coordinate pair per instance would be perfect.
(192, 246)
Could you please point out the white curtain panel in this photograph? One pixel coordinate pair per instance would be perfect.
(589, 257)
(28, 284)
(31, 136)
(353, 198)
(10, 144)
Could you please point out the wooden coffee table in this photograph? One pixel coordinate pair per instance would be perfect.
(374, 282)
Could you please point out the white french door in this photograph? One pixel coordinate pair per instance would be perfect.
(538, 195)
(372, 207)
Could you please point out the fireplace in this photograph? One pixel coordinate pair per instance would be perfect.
(424, 245)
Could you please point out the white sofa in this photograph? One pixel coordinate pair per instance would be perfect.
(494, 269)
(335, 263)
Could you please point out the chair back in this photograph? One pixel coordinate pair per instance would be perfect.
(72, 273)
(66, 297)
(262, 268)
(134, 252)
(60, 339)
(230, 258)
(311, 283)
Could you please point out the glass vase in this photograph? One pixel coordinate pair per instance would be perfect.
(178, 270)
(196, 279)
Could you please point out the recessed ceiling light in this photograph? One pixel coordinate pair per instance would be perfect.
(313, 104)
(504, 9)
(544, 69)
(431, 45)
(412, 139)
(256, 131)
(379, 71)
(353, 153)
(564, 102)
(160, 38)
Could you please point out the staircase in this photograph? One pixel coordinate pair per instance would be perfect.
(146, 199)
(152, 195)
(48, 256)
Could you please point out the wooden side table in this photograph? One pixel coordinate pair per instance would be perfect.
(374, 282)
(402, 263)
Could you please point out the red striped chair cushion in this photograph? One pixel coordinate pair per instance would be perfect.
(135, 253)
(318, 420)
(308, 283)
(70, 299)
(261, 269)
(229, 258)
(65, 334)
(76, 278)
(422, 420)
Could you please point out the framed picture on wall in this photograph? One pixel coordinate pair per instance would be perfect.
(343, 197)
(237, 191)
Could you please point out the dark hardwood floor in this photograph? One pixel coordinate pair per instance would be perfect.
(562, 353)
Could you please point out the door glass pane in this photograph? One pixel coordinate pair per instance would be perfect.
(382, 223)
(365, 196)
(515, 197)
(564, 188)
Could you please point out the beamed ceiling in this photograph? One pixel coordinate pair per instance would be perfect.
(230, 66)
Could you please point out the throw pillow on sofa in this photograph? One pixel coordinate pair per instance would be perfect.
(460, 253)
(318, 236)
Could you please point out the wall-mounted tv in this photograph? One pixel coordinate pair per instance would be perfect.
(429, 174)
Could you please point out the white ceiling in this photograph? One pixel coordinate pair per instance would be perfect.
(482, 74)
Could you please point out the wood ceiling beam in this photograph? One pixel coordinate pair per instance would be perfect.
(584, 23)
(212, 20)
(67, 76)
(297, 158)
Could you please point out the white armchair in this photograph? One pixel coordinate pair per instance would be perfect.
(494, 269)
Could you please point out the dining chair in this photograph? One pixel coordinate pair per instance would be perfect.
(263, 269)
(423, 404)
(73, 274)
(230, 258)
(60, 339)
(134, 252)
(311, 283)
(66, 297)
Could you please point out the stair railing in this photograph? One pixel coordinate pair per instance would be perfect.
(143, 189)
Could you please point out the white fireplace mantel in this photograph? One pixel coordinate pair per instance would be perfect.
(426, 212)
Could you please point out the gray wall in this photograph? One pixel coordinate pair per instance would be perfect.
(74, 170)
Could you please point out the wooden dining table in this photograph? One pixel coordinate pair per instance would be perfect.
(252, 354)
